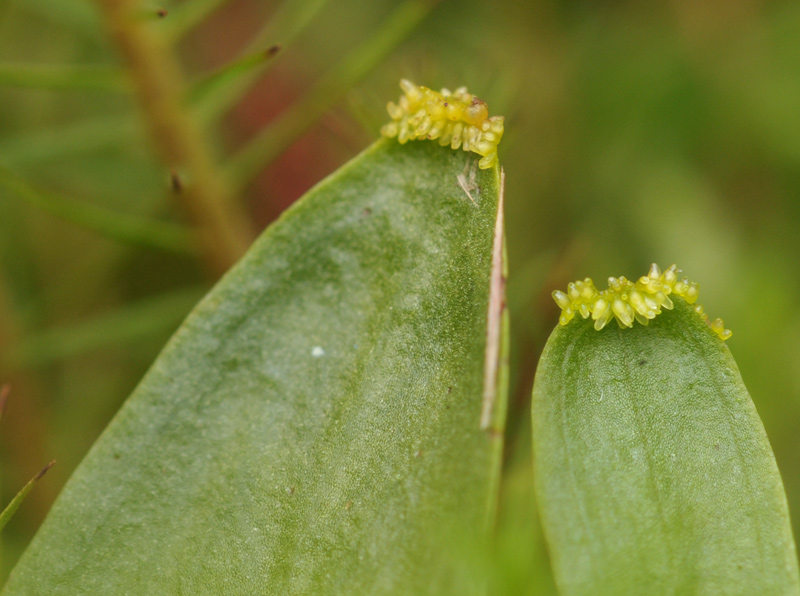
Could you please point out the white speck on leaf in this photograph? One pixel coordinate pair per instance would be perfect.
(317, 351)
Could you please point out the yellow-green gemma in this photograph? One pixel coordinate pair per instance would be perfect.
(628, 301)
(458, 119)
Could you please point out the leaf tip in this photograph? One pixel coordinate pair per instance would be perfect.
(44, 470)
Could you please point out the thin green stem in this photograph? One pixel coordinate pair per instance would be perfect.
(220, 82)
(285, 26)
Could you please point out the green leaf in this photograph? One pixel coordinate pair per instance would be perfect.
(314, 427)
(653, 471)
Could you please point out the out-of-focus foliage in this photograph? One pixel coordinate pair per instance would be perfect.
(665, 131)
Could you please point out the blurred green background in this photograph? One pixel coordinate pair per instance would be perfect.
(666, 131)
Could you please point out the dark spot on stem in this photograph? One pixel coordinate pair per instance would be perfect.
(43, 471)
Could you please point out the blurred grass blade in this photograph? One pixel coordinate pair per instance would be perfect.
(143, 319)
(224, 77)
(278, 135)
(653, 471)
(117, 226)
(55, 77)
(67, 140)
(12, 507)
(188, 15)
(314, 427)
(284, 27)
(75, 16)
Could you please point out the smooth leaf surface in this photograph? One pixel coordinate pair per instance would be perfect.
(314, 427)
(653, 471)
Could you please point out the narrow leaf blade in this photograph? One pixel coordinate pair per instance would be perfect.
(12, 507)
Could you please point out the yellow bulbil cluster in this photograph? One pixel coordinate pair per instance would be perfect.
(627, 301)
(458, 119)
